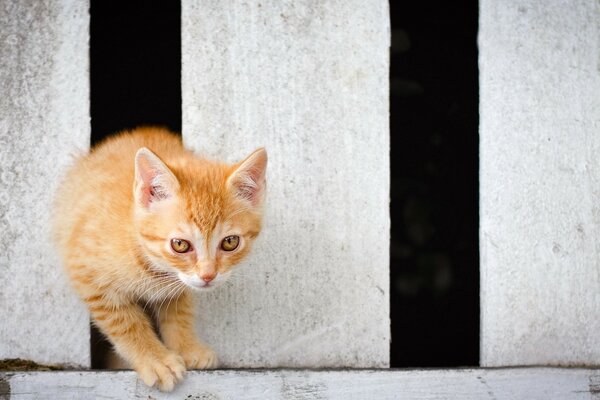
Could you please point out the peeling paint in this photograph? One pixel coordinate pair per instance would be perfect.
(594, 385)
(4, 388)
(202, 396)
(304, 391)
(490, 391)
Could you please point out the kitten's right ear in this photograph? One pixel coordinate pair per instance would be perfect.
(154, 181)
(248, 179)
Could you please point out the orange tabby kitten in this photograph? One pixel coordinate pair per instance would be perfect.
(141, 223)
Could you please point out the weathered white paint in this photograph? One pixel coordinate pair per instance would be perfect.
(540, 182)
(464, 384)
(308, 80)
(43, 119)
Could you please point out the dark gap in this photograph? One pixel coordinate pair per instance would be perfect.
(135, 78)
(434, 255)
(135, 65)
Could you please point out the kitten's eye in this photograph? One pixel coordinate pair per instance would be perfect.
(180, 245)
(230, 243)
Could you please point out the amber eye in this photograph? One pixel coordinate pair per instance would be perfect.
(180, 245)
(230, 243)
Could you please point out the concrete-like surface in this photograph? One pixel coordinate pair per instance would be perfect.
(463, 384)
(308, 80)
(540, 182)
(44, 118)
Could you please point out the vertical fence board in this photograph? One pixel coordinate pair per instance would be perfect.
(540, 182)
(44, 119)
(308, 80)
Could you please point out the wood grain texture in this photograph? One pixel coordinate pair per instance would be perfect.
(540, 182)
(44, 120)
(308, 80)
(464, 384)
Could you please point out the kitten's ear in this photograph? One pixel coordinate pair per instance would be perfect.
(154, 181)
(248, 178)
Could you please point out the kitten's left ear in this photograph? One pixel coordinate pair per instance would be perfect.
(154, 181)
(248, 179)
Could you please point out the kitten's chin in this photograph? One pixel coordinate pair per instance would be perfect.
(204, 289)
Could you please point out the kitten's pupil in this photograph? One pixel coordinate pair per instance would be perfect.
(230, 243)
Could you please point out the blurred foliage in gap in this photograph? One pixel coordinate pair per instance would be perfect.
(434, 161)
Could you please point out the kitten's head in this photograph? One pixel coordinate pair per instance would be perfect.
(195, 218)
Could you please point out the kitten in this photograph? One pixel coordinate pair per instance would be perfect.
(141, 223)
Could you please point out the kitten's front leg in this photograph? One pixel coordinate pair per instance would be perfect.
(131, 332)
(176, 325)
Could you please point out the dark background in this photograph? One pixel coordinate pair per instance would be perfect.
(135, 79)
(135, 65)
(434, 168)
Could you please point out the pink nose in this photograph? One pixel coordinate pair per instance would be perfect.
(208, 277)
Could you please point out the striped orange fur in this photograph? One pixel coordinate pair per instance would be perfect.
(141, 223)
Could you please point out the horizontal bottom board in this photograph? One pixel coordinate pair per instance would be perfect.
(478, 383)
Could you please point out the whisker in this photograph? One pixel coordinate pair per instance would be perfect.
(158, 294)
(168, 296)
(176, 296)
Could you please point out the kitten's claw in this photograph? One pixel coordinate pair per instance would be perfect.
(163, 373)
(199, 357)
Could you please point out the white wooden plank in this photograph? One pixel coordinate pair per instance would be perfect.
(44, 118)
(308, 80)
(464, 384)
(540, 182)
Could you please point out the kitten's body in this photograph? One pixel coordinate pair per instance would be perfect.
(116, 217)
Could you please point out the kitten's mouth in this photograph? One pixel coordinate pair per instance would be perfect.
(202, 287)
(206, 287)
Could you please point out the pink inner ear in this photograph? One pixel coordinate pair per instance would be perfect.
(146, 195)
(248, 189)
(152, 193)
(147, 174)
(154, 180)
(249, 182)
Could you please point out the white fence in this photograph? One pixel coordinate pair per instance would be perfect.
(540, 182)
(309, 81)
(44, 120)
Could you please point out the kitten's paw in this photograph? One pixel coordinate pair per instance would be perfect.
(198, 356)
(163, 372)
